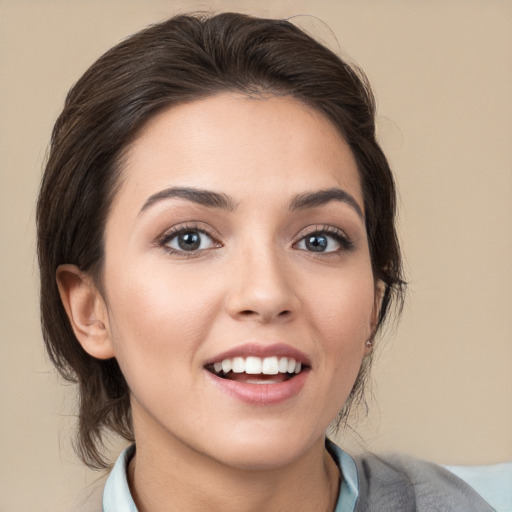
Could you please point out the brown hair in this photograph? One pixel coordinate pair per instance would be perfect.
(183, 59)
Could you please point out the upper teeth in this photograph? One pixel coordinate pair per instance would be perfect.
(257, 365)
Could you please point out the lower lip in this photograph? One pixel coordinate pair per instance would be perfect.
(261, 394)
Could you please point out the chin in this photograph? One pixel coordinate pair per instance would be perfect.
(266, 450)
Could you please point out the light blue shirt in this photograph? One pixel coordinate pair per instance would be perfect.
(493, 483)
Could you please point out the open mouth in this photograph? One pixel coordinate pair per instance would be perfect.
(256, 370)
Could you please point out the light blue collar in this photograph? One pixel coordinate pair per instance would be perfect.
(117, 496)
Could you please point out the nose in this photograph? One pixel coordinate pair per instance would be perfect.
(262, 287)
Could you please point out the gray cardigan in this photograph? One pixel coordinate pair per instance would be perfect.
(404, 484)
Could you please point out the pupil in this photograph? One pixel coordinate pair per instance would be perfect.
(189, 241)
(316, 243)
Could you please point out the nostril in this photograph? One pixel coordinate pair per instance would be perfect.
(249, 312)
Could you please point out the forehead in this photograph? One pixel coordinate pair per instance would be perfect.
(246, 147)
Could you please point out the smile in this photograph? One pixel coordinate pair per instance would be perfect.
(258, 374)
(256, 370)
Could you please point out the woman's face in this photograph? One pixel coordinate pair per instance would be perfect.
(237, 239)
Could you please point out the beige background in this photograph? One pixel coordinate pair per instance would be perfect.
(442, 73)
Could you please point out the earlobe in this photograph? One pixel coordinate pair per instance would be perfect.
(86, 311)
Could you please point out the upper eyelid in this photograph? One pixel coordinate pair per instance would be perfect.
(188, 226)
(321, 228)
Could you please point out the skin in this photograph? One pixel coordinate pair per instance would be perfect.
(163, 314)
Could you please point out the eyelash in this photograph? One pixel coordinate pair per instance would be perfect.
(334, 233)
(174, 232)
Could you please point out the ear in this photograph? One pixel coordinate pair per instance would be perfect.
(380, 288)
(86, 310)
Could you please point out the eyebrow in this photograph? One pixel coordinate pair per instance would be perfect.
(223, 201)
(195, 195)
(322, 197)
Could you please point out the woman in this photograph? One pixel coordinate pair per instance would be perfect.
(218, 253)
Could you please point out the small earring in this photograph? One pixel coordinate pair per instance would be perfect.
(369, 343)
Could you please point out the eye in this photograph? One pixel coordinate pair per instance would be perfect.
(327, 240)
(187, 239)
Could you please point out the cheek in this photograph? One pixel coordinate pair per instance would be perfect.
(342, 316)
(343, 307)
(157, 323)
(155, 316)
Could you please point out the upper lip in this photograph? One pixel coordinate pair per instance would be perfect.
(262, 351)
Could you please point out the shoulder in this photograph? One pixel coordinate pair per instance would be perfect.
(401, 484)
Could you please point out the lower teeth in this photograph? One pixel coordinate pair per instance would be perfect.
(264, 379)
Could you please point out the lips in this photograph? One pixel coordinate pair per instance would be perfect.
(260, 374)
(257, 359)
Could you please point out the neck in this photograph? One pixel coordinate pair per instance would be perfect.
(169, 477)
